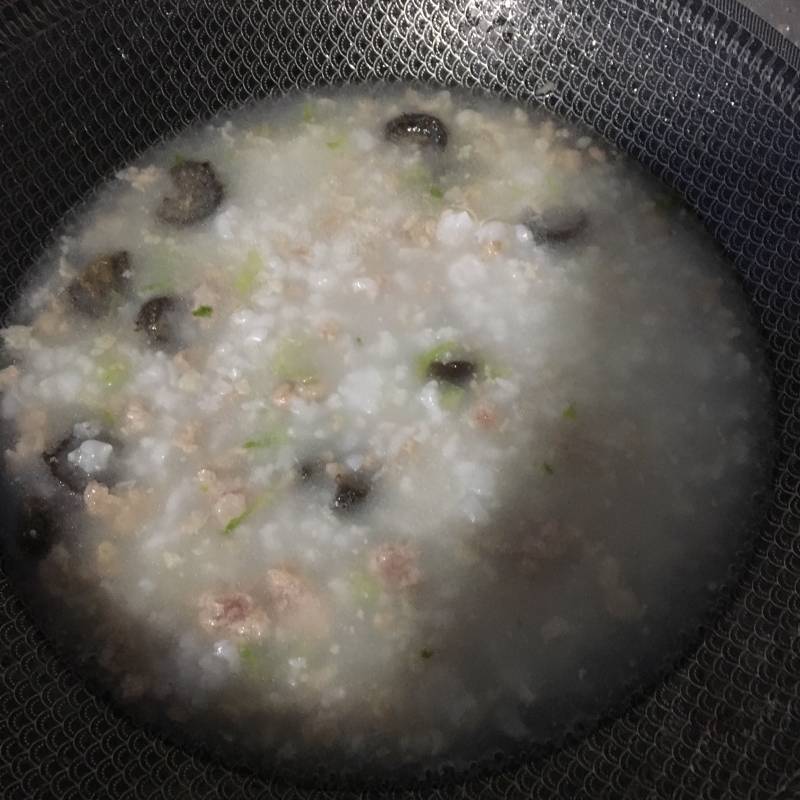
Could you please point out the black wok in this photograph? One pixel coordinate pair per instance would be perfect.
(699, 91)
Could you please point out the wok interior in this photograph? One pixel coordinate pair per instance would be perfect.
(92, 91)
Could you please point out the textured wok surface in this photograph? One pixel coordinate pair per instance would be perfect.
(694, 89)
(783, 14)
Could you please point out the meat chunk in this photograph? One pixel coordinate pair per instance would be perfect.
(32, 427)
(312, 391)
(485, 416)
(229, 506)
(185, 438)
(294, 604)
(234, 613)
(136, 418)
(122, 513)
(287, 591)
(397, 565)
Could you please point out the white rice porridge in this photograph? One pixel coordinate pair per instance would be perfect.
(409, 426)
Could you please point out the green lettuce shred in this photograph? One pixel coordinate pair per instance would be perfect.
(294, 361)
(247, 275)
(270, 439)
(451, 397)
(365, 588)
(262, 501)
(418, 179)
(114, 374)
(570, 412)
(256, 661)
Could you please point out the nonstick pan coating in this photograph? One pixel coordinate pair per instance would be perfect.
(700, 92)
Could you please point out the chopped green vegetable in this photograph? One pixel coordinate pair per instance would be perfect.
(419, 179)
(294, 361)
(114, 374)
(178, 160)
(359, 341)
(416, 178)
(248, 655)
(426, 653)
(256, 661)
(246, 276)
(203, 311)
(335, 144)
(308, 112)
(365, 588)
(438, 352)
(270, 439)
(570, 412)
(234, 523)
(451, 397)
(260, 502)
(548, 469)
(493, 371)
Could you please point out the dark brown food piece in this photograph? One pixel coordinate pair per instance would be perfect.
(198, 193)
(555, 225)
(158, 318)
(421, 129)
(92, 291)
(38, 530)
(307, 470)
(71, 475)
(352, 489)
(458, 373)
